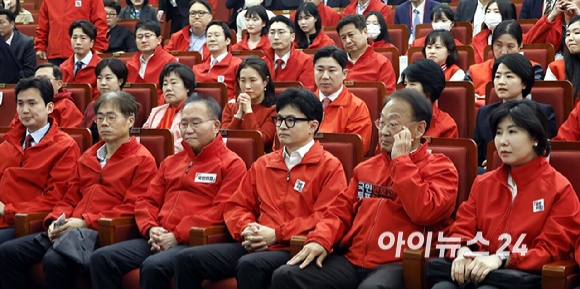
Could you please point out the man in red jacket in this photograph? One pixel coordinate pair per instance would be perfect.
(37, 159)
(192, 37)
(285, 62)
(362, 7)
(302, 180)
(364, 64)
(80, 67)
(56, 16)
(405, 190)
(191, 189)
(65, 112)
(111, 175)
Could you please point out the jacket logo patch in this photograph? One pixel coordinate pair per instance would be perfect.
(538, 205)
(221, 78)
(205, 178)
(78, 3)
(299, 185)
(366, 190)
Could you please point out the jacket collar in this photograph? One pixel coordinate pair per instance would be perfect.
(209, 151)
(17, 133)
(417, 156)
(311, 157)
(271, 53)
(523, 174)
(126, 149)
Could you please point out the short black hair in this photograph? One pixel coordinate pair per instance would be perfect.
(42, 84)
(259, 65)
(446, 39)
(384, 29)
(260, 11)
(184, 72)
(121, 100)
(440, 10)
(117, 67)
(115, 5)
(506, 8)
(130, 2)
(148, 24)
(56, 72)
(521, 66)
(525, 114)
(88, 28)
(304, 100)
(429, 74)
(283, 19)
(202, 2)
(422, 110)
(224, 26)
(9, 15)
(332, 51)
(510, 27)
(309, 9)
(358, 21)
(214, 109)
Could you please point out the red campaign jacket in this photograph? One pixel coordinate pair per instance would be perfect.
(85, 75)
(421, 42)
(570, 129)
(65, 112)
(546, 32)
(551, 231)
(450, 71)
(56, 16)
(558, 68)
(320, 41)
(179, 41)
(374, 5)
(277, 203)
(328, 16)
(479, 43)
(382, 44)
(413, 193)
(154, 67)
(260, 119)
(190, 190)
(348, 114)
(110, 191)
(442, 125)
(300, 67)
(372, 66)
(263, 45)
(224, 71)
(36, 179)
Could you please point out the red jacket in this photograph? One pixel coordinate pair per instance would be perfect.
(154, 67)
(300, 67)
(550, 231)
(65, 112)
(263, 45)
(348, 114)
(372, 66)
(442, 125)
(260, 119)
(558, 68)
(413, 193)
(320, 41)
(381, 44)
(180, 42)
(85, 75)
(479, 43)
(110, 191)
(277, 203)
(570, 129)
(56, 16)
(224, 71)
(374, 5)
(190, 190)
(546, 32)
(450, 71)
(421, 42)
(328, 16)
(36, 179)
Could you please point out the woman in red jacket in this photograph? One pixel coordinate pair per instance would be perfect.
(496, 11)
(377, 30)
(309, 33)
(568, 68)
(440, 47)
(257, 30)
(520, 216)
(254, 106)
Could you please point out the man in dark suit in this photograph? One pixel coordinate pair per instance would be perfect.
(534, 9)
(466, 10)
(20, 45)
(336, 3)
(281, 4)
(177, 11)
(407, 12)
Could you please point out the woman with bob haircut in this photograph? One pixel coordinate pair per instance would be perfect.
(257, 30)
(441, 19)
(526, 211)
(254, 106)
(377, 30)
(177, 82)
(309, 33)
(440, 47)
(513, 79)
(496, 11)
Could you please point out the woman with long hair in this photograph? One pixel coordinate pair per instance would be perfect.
(496, 11)
(309, 33)
(377, 30)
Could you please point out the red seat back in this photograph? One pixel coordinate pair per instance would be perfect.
(81, 93)
(124, 57)
(159, 142)
(392, 53)
(347, 147)
(399, 36)
(215, 90)
(247, 144)
(189, 58)
(526, 24)
(82, 137)
(28, 29)
(129, 24)
(280, 86)
(542, 53)
(242, 54)
(333, 34)
(145, 94)
(7, 104)
(458, 100)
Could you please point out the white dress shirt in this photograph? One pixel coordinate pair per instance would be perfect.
(296, 157)
(37, 136)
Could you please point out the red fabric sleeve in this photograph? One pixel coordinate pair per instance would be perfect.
(243, 206)
(147, 207)
(41, 39)
(99, 19)
(570, 129)
(361, 124)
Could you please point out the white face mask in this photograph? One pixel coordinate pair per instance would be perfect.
(441, 25)
(492, 20)
(373, 31)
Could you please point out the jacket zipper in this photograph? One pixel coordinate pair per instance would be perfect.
(178, 195)
(371, 232)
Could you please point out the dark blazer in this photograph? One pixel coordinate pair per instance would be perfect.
(337, 3)
(237, 6)
(121, 39)
(23, 48)
(482, 134)
(182, 7)
(282, 4)
(403, 13)
(465, 10)
(10, 67)
(532, 9)
(147, 12)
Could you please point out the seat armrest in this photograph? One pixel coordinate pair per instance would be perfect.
(414, 267)
(199, 235)
(110, 230)
(22, 222)
(296, 244)
(555, 275)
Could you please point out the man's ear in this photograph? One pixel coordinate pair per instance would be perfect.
(420, 130)
(50, 107)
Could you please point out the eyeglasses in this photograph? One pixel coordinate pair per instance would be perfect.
(198, 13)
(392, 125)
(147, 36)
(280, 33)
(111, 118)
(290, 121)
(194, 124)
(111, 14)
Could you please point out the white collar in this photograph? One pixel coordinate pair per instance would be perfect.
(284, 58)
(145, 61)
(363, 7)
(85, 60)
(480, 5)
(301, 152)
(219, 58)
(420, 8)
(332, 96)
(39, 134)
(9, 41)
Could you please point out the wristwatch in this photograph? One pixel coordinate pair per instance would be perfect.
(503, 259)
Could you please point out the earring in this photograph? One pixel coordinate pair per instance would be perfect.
(535, 144)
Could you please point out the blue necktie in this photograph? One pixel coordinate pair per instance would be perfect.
(416, 20)
(79, 66)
